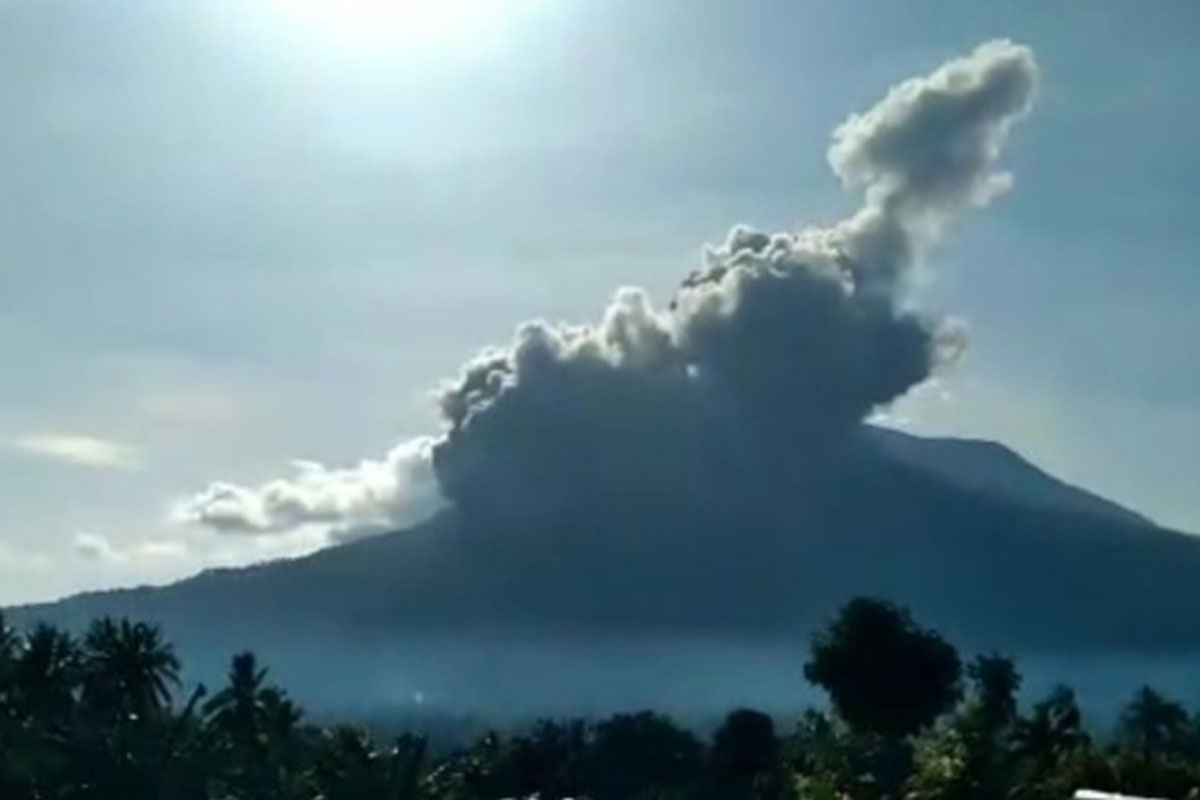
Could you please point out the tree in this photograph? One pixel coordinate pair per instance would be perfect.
(119, 745)
(128, 669)
(884, 673)
(1055, 727)
(640, 755)
(95, 719)
(995, 683)
(823, 757)
(744, 757)
(349, 766)
(252, 729)
(10, 644)
(969, 757)
(474, 773)
(11, 647)
(44, 676)
(1153, 726)
(546, 760)
(236, 711)
(1156, 746)
(1051, 748)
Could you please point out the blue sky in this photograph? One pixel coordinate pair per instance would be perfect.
(233, 234)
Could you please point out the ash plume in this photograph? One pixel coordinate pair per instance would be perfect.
(768, 356)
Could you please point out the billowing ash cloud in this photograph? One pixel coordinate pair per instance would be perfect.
(927, 152)
(769, 354)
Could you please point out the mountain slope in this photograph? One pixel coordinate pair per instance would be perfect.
(992, 571)
(985, 466)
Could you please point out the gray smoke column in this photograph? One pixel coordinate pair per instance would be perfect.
(776, 347)
(927, 152)
(770, 353)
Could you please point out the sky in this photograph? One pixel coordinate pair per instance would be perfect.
(234, 235)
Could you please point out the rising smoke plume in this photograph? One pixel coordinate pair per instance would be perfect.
(767, 356)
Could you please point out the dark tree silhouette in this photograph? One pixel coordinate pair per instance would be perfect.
(476, 772)
(97, 720)
(546, 761)
(744, 756)
(44, 675)
(885, 674)
(820, 752)
(1052, 748)
(236, 711)
(11, 722)
(995, 683)
(350, 767)
(10, 642)
(253, 729)
(1153, 726)
(1052, 730)
(643, 754)
(128, 670)
(969, 758)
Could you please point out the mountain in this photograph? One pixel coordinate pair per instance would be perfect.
(974, 539)
(990, 467)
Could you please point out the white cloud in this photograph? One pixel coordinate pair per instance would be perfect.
(85, 451)
(94, 547)
(341, 503)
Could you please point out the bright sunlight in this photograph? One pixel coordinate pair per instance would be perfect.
(426, 26)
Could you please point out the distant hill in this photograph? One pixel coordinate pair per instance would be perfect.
(972, 537)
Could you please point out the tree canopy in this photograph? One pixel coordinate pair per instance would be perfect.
(110, 716)
(884, 673)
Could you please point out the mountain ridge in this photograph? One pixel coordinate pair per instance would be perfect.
(981, 464)
(990, 570)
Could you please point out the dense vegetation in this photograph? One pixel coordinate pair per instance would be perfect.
(106, 716)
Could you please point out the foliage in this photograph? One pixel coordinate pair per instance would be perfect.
(884, 673)
(107, 716)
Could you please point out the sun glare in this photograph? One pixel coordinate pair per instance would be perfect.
(423, 25)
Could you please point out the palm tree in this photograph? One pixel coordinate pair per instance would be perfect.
(1153, 726)
(127, 674)
(253, 728)
(235, 711)
(128, 669)
(44, 675)
(40, 710)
